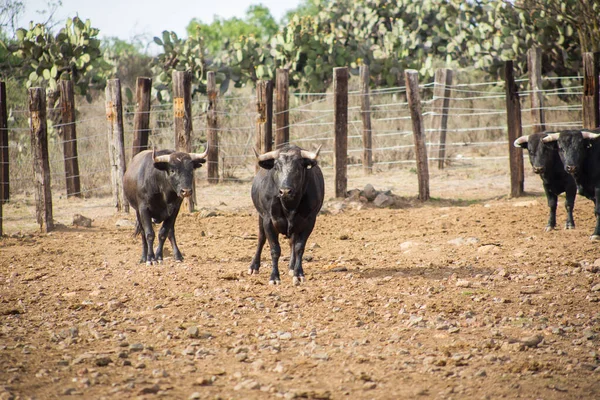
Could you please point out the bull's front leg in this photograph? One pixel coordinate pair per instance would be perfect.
(272, 237)
(255, 264)
(299, 246)
(596, 234)
(552, 204)
(148, 232)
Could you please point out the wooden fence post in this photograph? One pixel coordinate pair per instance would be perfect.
(513, 116)
(282, 119)
(213, 128)
(141, 119)
(116, 146)
(414, 103)
(591, 68)
(264, 117)
(340, 109)
(182, 116)
(365, 113)
(69, 137)
(41, 164)
(534, 65)
(4, 163)
(441, 103)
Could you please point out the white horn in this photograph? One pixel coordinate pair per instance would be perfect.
(521, 140)
(590, 135)
(552, 137)
(196, 156)
(163, 158)
(271, 155)
(310, 155)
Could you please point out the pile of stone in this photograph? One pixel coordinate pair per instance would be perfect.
(381, 199)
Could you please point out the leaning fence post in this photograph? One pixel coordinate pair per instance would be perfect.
(513, 116)
(591, 68)
(213, 129)
(365, 113)
(441, 103)
(182, 117)
(264, 116)
(340, 110)
(534, 66)
(69, 137)
(141, 119)
(414, 103)
(116, 146)
(282, 119)
(41, 164)
(4, 165)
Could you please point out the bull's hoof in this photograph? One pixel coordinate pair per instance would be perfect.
(297, 280)
(570, 226)
(548, 228)
(252, 271)
(274, 282)
(595, 237)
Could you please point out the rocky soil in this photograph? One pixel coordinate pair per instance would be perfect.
(452, 299)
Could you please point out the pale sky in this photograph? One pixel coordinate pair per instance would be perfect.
(128, 18)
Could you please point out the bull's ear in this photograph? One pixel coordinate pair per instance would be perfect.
(163, 166)
(308, 163)
(267, 164)
(198, 162)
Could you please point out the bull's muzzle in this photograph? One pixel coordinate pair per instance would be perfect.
(571, 169)
(286, 193)
(538, 170)
(186, 192)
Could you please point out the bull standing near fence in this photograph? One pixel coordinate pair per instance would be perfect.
(288, 192)
(546, 162)
(580, 153)
(155, 185)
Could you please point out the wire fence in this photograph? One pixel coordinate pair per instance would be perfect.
(476, 134)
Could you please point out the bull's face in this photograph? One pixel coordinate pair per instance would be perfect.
(179, 169)
(541, 155)
(572, 146)
(289, 168)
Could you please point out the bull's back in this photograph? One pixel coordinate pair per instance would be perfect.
(136, 176)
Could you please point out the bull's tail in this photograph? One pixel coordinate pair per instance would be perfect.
(138, 228)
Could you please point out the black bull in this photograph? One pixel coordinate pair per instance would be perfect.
(546, 162)
(288, 192)
(580, 153)
(155, 185)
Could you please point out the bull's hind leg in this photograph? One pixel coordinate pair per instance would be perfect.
(148, 232)
(569, 205)
(140, 229)
(255, 264)
(292, 254)
(176, 252)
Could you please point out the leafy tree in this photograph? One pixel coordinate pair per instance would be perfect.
(222, 33)
(128, 60)
(580, 15)
(73, 53)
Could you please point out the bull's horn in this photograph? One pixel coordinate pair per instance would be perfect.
(163, 158)
(590, 135)
(271, 155)
(196, 156)
(521, 140)
(552, 137)
(311, 155)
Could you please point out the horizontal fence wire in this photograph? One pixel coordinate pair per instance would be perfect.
(475, 133)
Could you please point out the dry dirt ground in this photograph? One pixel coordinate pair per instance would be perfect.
(454, 299)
